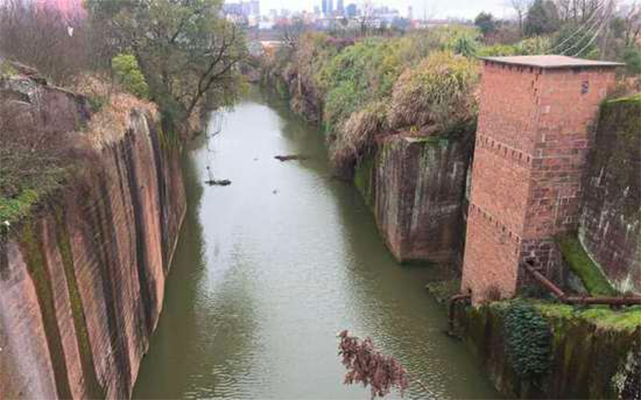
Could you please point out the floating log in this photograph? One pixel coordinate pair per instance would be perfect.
(291, 157)
(213, 182)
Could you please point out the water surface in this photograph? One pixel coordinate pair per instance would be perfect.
(269, 269)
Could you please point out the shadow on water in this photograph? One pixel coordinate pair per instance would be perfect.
(268, 269)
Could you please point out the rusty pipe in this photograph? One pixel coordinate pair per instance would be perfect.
(560, 294)
(612, 301)
(450, 314)
(545, 282)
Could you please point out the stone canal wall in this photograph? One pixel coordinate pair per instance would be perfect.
(610, 220)
(591, 354)
(416, 190)
(82, 279)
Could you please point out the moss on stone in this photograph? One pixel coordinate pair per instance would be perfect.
(39, 273)
(363, 179)
(617, 145)
(582, 265)
(444, 290)
(13, 209)
(7, 70)
(589, 348)
(627, 319)
(93, 388)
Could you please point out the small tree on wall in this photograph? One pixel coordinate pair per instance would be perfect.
(368, 366)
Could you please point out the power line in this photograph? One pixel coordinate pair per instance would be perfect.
(579, 29)
(603, 24)
(595, 29)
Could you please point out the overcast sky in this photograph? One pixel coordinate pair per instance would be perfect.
(435, 8)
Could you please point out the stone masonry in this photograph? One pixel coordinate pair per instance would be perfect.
(534, 135)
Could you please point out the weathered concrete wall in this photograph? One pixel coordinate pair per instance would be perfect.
(610, 222)
(82, 281)
(595, 353)
(416, 189)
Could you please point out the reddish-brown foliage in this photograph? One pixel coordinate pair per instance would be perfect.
(368, 366)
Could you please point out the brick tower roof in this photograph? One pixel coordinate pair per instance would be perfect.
(551, 61)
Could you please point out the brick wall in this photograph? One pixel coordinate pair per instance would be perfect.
(534, 134)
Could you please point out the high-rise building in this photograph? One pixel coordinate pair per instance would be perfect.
(324, 7)
(410, 13)
(340, 7)
(350, 10)
(254, 8)
(330, 8)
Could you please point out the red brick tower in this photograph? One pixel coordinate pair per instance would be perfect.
(535, 131)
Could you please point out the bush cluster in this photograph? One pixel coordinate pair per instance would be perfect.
(379, 85)
(528, 341)
(438, 92)
(127, 73)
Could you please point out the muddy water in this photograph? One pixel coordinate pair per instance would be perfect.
(269, 269)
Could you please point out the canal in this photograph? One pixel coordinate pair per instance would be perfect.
(269, 269)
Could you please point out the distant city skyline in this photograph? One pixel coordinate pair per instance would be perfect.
(432, 8)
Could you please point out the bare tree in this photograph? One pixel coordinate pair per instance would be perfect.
(632, 24)
(291, 33)
(43, 38)
(578, 11)
(521, 7)
(366, 18)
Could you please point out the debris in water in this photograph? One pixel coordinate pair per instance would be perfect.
(213, 182)
(291, 157)
(275, 191)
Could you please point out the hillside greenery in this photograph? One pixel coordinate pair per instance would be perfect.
(422, 82)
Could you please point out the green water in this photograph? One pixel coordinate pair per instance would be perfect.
(269, 269)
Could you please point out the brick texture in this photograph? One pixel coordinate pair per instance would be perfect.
(535, 132)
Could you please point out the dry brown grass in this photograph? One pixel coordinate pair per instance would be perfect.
(438, 92)
(113, 118)
(356, 134)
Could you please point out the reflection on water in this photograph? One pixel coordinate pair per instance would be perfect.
(269, 269)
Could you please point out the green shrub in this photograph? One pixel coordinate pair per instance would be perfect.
(7, 70)
(341, 102)
(527, 341)
(450, 38)
(632, 58)
(498, 50)
(438, 92)
(465, 46)
(526, 47)
(128, 74)
(534, 46)
(358, 75)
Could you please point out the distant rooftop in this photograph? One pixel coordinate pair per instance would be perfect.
(551, 61)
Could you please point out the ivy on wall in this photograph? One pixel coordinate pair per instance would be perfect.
(527, 341)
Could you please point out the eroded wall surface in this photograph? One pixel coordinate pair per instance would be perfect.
(416, 189)
(610, 222)
(82, 281)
